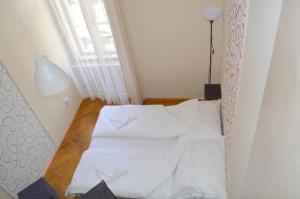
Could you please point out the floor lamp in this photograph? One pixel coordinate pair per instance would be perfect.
(212, 91)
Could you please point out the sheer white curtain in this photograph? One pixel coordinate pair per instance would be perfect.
(98, 64)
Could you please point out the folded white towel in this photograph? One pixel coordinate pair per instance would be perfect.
(108, 170)
(120, 123)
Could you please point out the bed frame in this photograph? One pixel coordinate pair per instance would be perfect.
(166, 101)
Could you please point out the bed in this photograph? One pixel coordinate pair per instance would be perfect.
(156, 152)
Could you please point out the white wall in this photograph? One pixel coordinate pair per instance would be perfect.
(274, 164)
(261, 29)
(169, 41)
(18, 55)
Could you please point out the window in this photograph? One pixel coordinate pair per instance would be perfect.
(96, 69)
(78, 29)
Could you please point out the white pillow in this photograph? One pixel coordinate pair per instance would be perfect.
(196, 114)
(185, 111)
(208, 114)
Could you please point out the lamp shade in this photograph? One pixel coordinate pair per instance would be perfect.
(211, 14)
(50, 79)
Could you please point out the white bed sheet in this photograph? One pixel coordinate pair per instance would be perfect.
(204, 179)
(150, 144)
(151, 121)
(132, 143)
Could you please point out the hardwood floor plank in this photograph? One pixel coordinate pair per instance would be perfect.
(76, 141)
(164, 101)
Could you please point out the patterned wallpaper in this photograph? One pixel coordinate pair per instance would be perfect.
(25, 146)
(234, 45)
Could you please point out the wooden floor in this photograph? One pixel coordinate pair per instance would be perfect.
(164, 101)
(77, 140)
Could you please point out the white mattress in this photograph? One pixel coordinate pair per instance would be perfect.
(132, 143)
(207, 114)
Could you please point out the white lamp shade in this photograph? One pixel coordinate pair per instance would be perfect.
(211, 14)
(50, 79)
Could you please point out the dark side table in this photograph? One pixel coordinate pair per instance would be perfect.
(212, 91)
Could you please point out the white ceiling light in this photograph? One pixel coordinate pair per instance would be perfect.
(50, 79)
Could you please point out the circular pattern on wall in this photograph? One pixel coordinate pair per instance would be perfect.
(21, 135)
(3, 173)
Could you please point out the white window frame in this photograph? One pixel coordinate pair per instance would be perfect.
(65, 18)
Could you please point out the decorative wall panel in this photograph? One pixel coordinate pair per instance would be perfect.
(25, 146)
(234, 47)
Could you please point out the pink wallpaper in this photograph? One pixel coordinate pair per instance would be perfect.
(234, 45)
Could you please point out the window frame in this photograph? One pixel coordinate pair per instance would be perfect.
(112, 58)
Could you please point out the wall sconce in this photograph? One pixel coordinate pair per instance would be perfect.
(50, 80)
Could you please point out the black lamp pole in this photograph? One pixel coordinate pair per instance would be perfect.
(211, 51)
(212, 91)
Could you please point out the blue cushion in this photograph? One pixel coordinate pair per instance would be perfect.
(101, 191)
(40, 189)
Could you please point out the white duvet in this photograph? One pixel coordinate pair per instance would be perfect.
(153, 121)
(201, 171)
(193, 168)
(143, 173)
